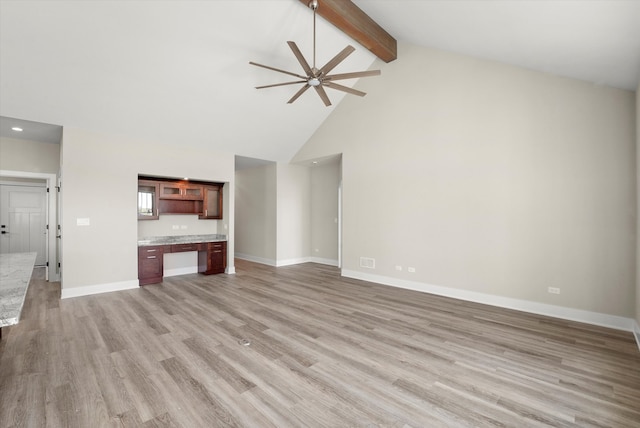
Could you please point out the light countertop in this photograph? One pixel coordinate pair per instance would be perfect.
(15, 274)
(180, 239)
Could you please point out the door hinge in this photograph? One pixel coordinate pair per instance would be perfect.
(47, 227)
(58, 265)
(47, 264)
(47, 190)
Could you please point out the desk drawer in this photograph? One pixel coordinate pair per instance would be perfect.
(180, 248)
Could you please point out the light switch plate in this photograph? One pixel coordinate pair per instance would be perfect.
(83, 221)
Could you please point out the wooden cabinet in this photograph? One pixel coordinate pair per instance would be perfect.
(181, 190)
(214, 260)
(148, 200)
(150, 264)
(158, 196)
(212, 202)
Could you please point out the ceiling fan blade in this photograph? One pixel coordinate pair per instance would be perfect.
(325, 99)
(336, 60)
(303, 62)
(353, 75)
(277, 69)
(297, 94)
(344, 88)
(281, 84)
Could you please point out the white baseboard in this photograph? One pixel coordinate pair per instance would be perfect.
(595, 318)
(180, 271)
(329, 262)
(289, 262)
(286, 262)
(250, 258)
(98, 289)
(636, 332)
(231, 270)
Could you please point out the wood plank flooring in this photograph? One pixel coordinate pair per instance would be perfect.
(324, 351)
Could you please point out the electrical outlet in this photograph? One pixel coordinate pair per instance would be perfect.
(367, 262)
(184, 226)
(553, 290)
(175, 227)
(411, 269)
(398, 267)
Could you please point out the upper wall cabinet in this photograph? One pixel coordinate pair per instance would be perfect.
(181, 190)
(157, 196)
(212, 202)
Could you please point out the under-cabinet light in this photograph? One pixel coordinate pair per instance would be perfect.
(15, 128)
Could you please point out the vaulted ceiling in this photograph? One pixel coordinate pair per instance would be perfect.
(178, 72)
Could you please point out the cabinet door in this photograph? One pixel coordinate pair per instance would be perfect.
(147, 200)
(192, 192)
(212, 202)
(170, 190)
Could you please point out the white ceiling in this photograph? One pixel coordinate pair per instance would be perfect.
(178, 72)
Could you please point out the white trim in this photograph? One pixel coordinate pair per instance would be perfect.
(289, 262)
(636, 332)
(261, 260)
(231, 270)
(180, 271)
(595, 318)
(98, 289)
(322, 261)
(286, 262)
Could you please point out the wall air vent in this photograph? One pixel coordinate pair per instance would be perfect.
(367, 262)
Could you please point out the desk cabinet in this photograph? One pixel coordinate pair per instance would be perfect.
(150, 264)
(212, 259)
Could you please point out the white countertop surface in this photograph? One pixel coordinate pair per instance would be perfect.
(180, 239)
(15, 274)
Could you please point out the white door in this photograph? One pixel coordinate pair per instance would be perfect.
(23, 221)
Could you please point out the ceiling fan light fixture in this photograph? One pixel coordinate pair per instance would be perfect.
(318, 78)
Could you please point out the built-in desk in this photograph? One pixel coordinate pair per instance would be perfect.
(212, 254)
(15, 274)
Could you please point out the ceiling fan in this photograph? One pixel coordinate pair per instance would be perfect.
(319, 78)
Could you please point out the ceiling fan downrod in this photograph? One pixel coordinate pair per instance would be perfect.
(313, 5)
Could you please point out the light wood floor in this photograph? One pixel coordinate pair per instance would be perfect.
(325, 352)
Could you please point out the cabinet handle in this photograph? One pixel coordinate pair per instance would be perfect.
(206, 213)
(151, 257)
(218, 251)
(151, 251)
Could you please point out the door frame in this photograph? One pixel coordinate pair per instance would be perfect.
(50, 215)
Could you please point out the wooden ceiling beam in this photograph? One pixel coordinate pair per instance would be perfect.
(352, 21)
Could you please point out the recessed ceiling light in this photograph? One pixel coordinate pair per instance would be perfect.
(315, 162)
(15, 128)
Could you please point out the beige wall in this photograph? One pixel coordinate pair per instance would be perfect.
(294, 213)
(488, 178)
(29, 156)
(256, 213)
(325, 180)
(99, 182)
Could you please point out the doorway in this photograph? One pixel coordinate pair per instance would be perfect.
(23, 226)
(47, 182)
